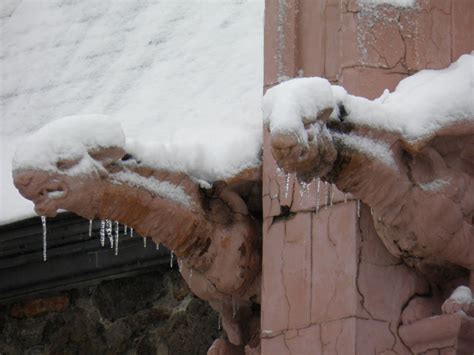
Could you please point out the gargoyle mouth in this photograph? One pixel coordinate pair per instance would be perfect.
(44, 190)
(48, 198)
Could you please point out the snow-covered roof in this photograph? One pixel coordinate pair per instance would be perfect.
(184, 79)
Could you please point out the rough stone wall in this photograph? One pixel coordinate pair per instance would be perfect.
(329, 285)
(152, 313)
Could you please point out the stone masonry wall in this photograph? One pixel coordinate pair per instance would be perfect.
(151, 313)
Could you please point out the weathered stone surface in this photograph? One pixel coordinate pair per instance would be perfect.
(353, 274)
(36, 307)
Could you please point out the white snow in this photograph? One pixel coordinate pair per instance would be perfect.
(420, 105)
(462, 294)
(69, 138)
(285, 104)
(375, 149)
(184, 78)
(161, 188)
(435, 185)
(395, 3)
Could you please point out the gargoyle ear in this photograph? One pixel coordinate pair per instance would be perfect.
(107, 155)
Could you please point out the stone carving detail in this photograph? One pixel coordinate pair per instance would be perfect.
(213, 233)
(421, 195)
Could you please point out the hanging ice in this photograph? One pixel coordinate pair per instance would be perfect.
(287, 184)
(304, 188)
(234, 309)
(125, 229)
(43, 222)
(345, 198)
(180, 265)
(157, 246)
(90, 228)
(332, 193)
(108, 229)
(358, 208)
(318, 188)
(327, 194)
(116, 236)
(102, 232)
(144, 242)
(131, 232)
(171, 259)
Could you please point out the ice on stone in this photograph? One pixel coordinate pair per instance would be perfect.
(43, 222)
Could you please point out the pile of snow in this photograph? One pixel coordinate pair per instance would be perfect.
(68, 139)
(184, 79)
(286, 104)
(419, 106)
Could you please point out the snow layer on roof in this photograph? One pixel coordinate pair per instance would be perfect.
(420, 105)
(184, 79)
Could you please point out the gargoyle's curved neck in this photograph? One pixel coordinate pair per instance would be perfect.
(181, 228)
(373, 174)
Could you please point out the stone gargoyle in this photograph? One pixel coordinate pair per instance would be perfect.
(416, 177)
(214, 233)
(419, 187)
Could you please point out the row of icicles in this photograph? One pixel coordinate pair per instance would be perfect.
(304, 188)
(111, 230)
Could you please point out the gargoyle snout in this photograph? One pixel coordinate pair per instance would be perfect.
(41, 188)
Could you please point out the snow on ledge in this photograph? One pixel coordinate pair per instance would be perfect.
(69, 138)
(420, 105)
(394, 3)
(161, 188)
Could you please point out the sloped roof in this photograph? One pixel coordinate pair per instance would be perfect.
(184, 78)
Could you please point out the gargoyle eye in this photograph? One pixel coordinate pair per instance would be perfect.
(66, 164)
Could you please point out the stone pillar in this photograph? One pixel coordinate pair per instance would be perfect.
(329, 285)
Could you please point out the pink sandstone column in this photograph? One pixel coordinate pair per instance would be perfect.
(329, 286)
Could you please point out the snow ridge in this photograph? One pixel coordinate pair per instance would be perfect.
(160, 188)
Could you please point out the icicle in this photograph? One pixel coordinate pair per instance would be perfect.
(180, 265)
(125, 229)
(102, 232)
(358, 208)
(157, 246)
(327, 194)
(287, 184)
(234, 309)
(332, 193)
(116, 236)
(144, 242)
(371, 211)
(108, 229)
(345, 198)
(171, 259)
(43, 222)
(131, 232)
(318, 188)
(304, 187)
(90, 228)
(219, 322)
